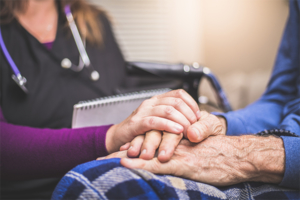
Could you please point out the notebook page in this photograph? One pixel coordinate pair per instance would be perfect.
(110, 110)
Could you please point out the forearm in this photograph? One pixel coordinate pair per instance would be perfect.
(263, 158)
(260, 158)
(29, 153)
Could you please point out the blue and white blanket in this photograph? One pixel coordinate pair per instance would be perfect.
(107, 179)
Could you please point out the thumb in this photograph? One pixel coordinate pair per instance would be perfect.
(198, 132)
(206, 126)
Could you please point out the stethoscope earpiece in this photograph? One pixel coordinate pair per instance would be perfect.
(95, 75)
(84, 60)
(66, 63)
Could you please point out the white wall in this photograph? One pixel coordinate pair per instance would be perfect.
(157, 30)
(237, 39)
(241, 39)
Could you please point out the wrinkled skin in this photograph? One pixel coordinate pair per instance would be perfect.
(219, 160)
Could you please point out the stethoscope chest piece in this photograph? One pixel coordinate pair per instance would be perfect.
(21, 81)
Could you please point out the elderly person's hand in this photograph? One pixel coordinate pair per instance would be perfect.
(173, 112)
(206, 126)
(220, 160)
(145, 146)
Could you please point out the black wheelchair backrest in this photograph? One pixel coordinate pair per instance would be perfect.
(190, 75)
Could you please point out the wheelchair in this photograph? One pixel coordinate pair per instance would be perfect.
(154, 75)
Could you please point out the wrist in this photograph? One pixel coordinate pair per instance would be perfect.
(224, 124)
(109, 139)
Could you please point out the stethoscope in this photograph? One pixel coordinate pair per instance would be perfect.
(84, 60)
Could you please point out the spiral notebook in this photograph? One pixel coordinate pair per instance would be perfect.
(110, 110)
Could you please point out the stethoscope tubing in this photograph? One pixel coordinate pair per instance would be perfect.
(77, 37)
(8, 57)
(17, 77)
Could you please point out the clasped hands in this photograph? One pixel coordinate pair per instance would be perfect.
(161, 122)
(162, 144)
(172, 126)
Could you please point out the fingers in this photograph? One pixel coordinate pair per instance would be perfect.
(168, 145)
(179, 105)
(206, 126)
(156, 123)
(201, 129)
(153, 165)
(153, 139)
(151, 143)
(125, 146)
(119, 154)
(170, 113)
(186, 98)
(135, 146)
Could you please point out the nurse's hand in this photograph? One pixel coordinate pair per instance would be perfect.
(172, 112)
(153, 144)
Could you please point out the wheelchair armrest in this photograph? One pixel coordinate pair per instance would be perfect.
(164, 70)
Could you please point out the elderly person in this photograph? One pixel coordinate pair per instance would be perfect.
(231, 157)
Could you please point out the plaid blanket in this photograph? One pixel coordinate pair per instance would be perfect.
(107, 179)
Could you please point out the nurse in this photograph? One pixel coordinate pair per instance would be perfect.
(53, 55)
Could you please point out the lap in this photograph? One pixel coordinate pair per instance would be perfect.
(107, 179)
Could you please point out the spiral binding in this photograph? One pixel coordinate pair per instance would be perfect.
(120, 98)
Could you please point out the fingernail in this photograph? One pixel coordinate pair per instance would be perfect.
(196, 133)
(178, 127)
(130, 147)
(101, 158)
(162, 153)
(198, 114)
(144, 151)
